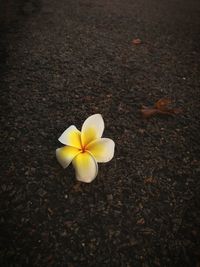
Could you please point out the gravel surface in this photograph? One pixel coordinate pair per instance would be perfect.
(62, 61)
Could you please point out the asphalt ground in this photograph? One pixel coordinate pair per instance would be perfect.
(62, 61)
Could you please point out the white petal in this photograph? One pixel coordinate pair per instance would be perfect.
(102, 149)
(66, 154)
(86, 167)
(92, 129)
(71, 137)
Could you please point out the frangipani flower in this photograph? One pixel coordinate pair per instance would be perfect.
(86, 148)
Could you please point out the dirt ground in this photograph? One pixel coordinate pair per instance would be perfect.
(62, 61)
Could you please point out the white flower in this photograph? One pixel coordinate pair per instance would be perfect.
(86, 148)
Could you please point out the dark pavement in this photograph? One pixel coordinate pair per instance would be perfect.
(62, 61)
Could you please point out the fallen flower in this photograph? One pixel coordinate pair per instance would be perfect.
(85, 148)
(160, 107)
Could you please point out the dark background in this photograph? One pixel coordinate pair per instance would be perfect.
(62, 61)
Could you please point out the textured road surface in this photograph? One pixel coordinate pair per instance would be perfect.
(62, 61)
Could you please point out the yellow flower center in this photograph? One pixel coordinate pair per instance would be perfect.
(83, 148)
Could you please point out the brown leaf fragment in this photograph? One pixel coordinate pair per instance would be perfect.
(147, 231)
(50, 211)
(148, 112)
(162, 103)
(150, 180)
(136, 41)
(162, 106)
(177, 111)
(141, 131)
(68, 224)
(140, 221)
(77, 187)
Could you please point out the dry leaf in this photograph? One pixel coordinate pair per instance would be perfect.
(163, 103)
(77, 187)
(136, 41)
(150, 180)
(140, 221)
(160, 107)
(50, 211)
(148, 112)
